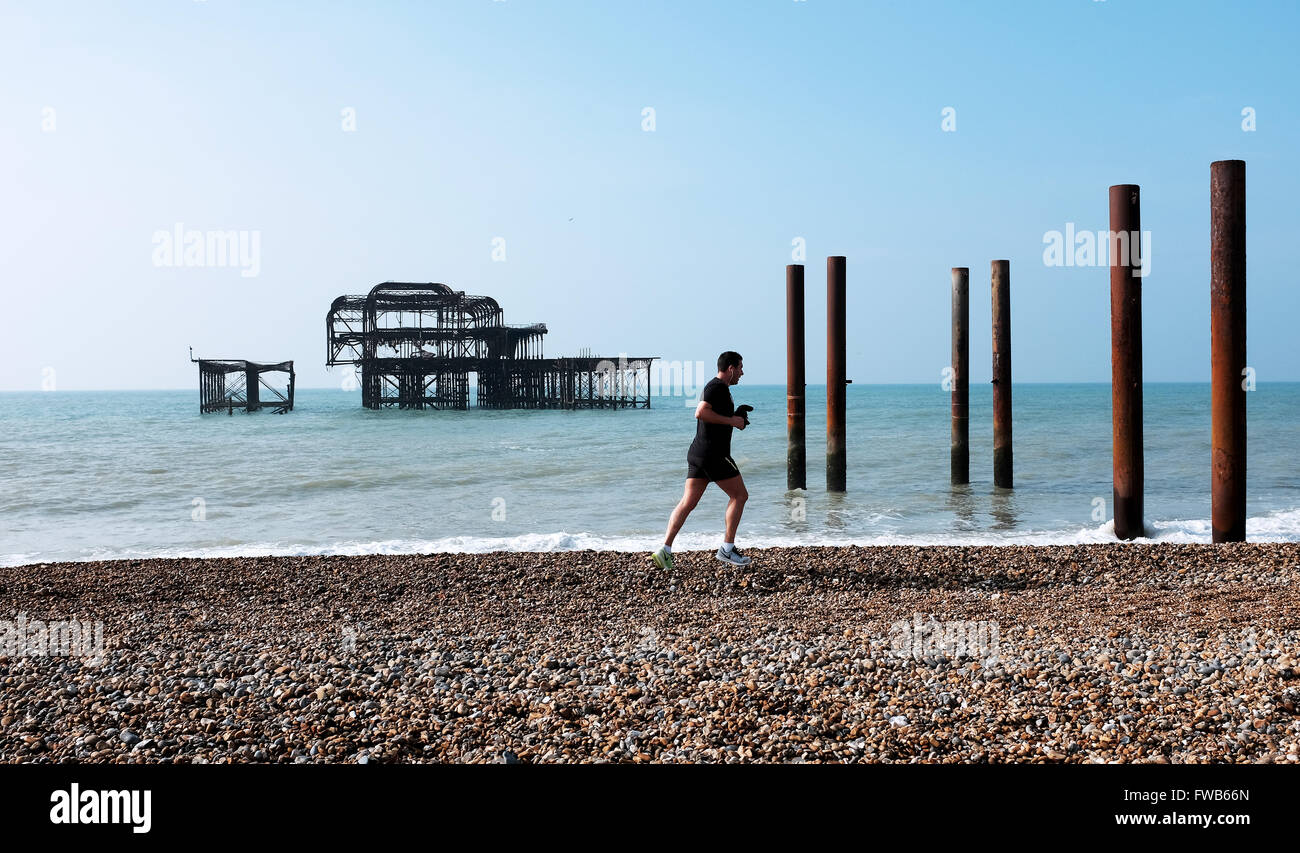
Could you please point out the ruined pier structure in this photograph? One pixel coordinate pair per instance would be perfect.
(416, 345)
(226, 384)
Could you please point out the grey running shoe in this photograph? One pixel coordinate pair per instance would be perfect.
(733, 556)
(663, 559)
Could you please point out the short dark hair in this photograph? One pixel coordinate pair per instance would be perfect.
(727, 359)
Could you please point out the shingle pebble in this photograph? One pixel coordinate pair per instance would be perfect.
(1089, 653)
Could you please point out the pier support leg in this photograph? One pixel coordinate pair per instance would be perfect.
(796, 459)
(252, 390)
(1228, 349)
(1001, 275)
(960, 375)
(1126, 358)
(836, 367)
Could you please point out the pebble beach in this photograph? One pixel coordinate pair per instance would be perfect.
(1016, 654)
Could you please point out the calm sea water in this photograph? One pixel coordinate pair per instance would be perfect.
(90, 475)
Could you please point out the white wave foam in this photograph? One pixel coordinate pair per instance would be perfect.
(1279, 526)
(1283, 524)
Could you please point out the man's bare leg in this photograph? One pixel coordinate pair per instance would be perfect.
(690, 497)
(736, 491)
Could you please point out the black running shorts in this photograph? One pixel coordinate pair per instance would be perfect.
(711, 468)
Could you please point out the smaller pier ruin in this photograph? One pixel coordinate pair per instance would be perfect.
(226, 384)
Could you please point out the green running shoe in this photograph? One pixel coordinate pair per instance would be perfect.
(663, 559)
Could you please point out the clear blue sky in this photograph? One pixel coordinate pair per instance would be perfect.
(774, 119)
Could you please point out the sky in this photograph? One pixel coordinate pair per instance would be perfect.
(634, 175)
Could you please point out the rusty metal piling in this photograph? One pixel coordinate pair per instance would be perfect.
(960, 375)
(1001, 278)
(1228, 349)
(1126, 358)
(796, 460)
(836, 367)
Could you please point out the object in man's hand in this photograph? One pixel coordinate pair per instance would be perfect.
(744, 411)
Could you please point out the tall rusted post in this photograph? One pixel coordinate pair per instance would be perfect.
(1001, 274)
(796, 457)
(1228, 349)
(1126, 358)
(836, 367)
(960, 375)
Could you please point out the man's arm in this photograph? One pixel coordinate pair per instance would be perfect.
(705, 413)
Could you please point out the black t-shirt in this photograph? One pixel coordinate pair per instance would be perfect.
(714, 440)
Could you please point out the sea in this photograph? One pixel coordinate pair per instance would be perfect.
(139, 474)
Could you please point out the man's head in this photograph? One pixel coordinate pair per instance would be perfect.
(730, 367)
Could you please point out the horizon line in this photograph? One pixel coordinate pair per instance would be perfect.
(750, 384)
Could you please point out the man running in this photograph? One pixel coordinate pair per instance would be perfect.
(709, 458)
